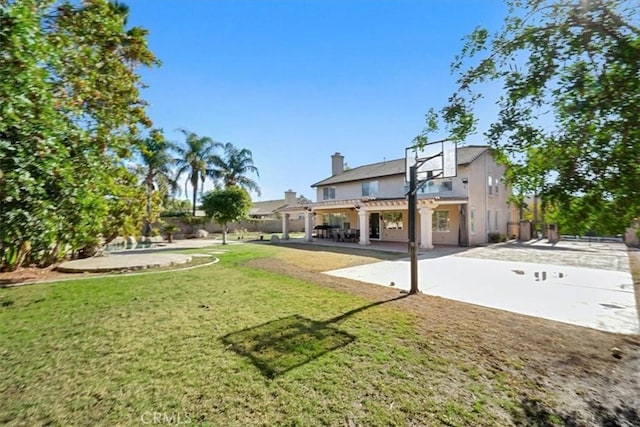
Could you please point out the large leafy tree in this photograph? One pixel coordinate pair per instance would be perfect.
(569, 79)
(233, 167)
(195, 159)
(226, 205)
(69, 103)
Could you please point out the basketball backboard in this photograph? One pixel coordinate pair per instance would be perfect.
(436, 160)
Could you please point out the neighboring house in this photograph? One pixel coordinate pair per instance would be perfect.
(269, 208)
(454, 211)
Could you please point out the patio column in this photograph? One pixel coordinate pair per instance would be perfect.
(285, 226)
(426, 232)
(308, 228)
(363, 223)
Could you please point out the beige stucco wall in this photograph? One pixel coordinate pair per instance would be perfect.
(482, 202)
(388, 187)
(351, 216)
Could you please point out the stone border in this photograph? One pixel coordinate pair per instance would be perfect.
(102, 276)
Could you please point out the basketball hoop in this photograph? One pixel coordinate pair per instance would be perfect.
(437, 159)
(434, 160)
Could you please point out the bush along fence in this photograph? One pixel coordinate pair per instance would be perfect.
(189, 225)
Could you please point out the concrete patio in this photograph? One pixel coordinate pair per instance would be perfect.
(583, 284)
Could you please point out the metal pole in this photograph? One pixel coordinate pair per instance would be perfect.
(413, 213)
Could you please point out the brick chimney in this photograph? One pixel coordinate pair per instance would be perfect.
(337, 164)
(290, 197)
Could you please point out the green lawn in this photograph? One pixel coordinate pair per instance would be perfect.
(227, 345)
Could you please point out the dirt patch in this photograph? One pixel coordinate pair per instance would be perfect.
(27, 275)
(316, 259)
(562, 374)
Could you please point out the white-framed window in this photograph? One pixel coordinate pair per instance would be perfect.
(497, 186)
(496, 220)
(440, 221)
(328, 193)
(488, 221)
(370, 189)
(490, 185)
(392, 221)
(472, 219)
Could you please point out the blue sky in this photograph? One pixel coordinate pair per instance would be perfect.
(297, 80)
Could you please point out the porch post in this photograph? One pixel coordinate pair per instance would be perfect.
(285, 226)
(308, 215)
(426, 223)
(363, 224)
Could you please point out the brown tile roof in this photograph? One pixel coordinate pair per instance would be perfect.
(466, 155)
(269, 207)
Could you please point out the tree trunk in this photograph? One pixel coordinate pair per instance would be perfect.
(224, 234)
(195, 191)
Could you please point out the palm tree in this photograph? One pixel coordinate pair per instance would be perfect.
(232, 168)
(195, 158)
(156, 170)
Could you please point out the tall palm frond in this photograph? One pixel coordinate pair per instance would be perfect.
(195, 158)
(232, 168)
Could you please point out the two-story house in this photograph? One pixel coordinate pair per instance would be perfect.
(454, 211)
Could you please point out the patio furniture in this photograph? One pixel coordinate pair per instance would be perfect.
(322, 231)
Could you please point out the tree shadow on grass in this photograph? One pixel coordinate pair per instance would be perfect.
(278, 346)
(534, 413)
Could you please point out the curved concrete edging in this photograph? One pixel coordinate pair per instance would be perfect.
(102, 276)
(119, 263)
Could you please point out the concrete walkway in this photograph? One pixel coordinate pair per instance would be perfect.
(139, 259)
(528, 281)
(103, 264)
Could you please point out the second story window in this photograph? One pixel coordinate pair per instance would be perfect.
(329, 193)
(370, 189)
(490, 185)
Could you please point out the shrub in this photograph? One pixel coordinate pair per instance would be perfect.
(170, 230)
(497, 238)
